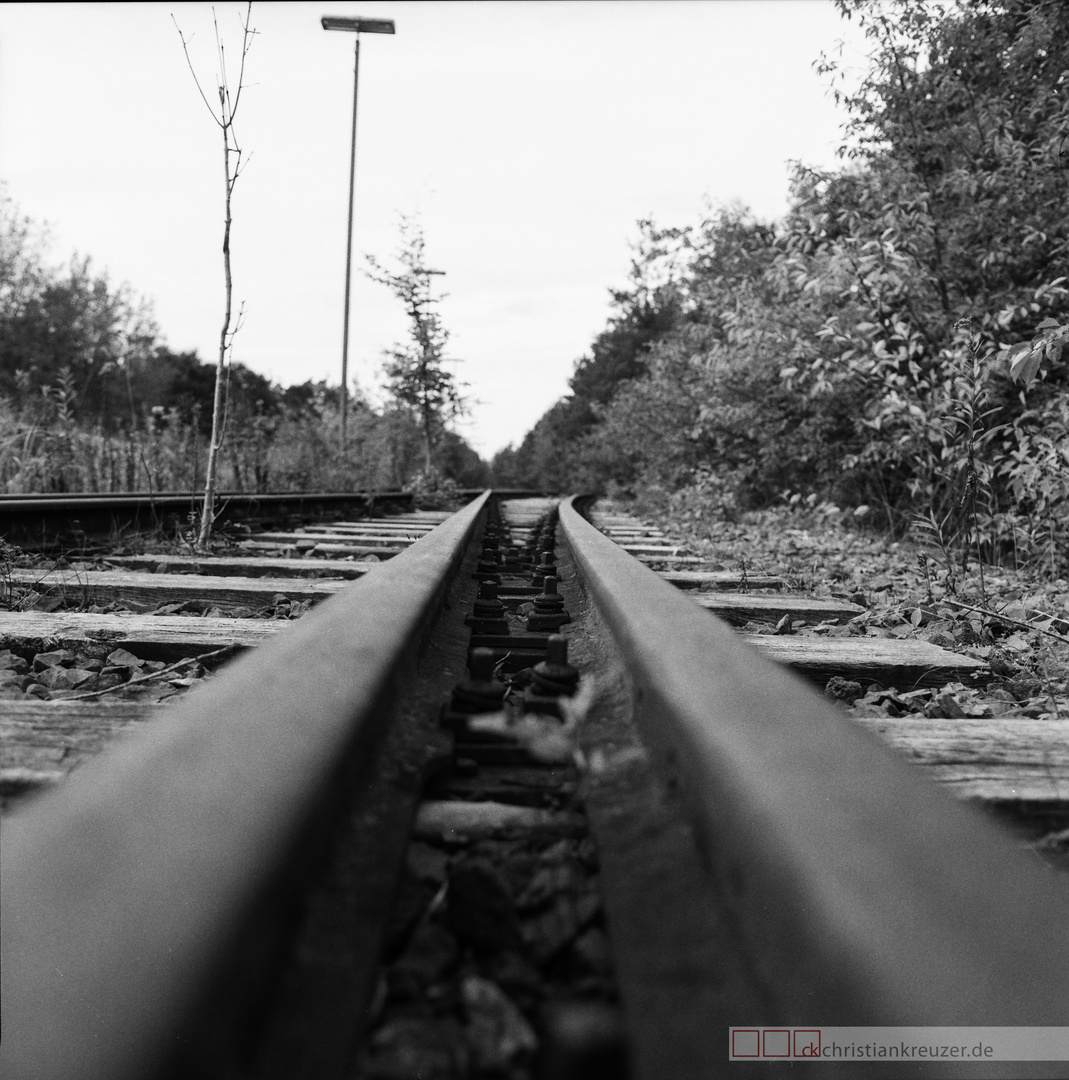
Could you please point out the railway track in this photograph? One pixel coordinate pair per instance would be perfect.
(564, 827)
(65, 522)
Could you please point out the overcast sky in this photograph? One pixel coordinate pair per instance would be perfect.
(529, 137)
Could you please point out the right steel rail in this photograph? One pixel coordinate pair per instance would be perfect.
(867, 897)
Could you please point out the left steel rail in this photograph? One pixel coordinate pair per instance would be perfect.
(57, 520)
(180, 854)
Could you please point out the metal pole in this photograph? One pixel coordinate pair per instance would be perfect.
(349, 255)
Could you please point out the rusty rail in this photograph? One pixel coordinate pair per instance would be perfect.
(867, 896)
(60, 520)
(169, 866)
(56, 521)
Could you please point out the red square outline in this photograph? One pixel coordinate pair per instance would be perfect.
(807, 1032)
(775, 1031)
(745, 1031)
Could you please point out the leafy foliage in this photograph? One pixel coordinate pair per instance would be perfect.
(822, 354)
(416, 372)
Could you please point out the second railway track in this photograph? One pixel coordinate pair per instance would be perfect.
(415, 833)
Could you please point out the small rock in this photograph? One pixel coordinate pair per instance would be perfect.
(157, 693)
(13, 679)
(497, 1033)
(408, 1047)
(560, 851)
(38, 691)
(840, 689)
(1002, 666)
(550, 932)
(62, 678)
(48, 603)
(945, 706)
(63, 657)
(107, 679)
(1023, 689)
(10, 661)
(120, 658)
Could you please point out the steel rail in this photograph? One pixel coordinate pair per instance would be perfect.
(269, 498)
(172, 500)
(866, 896)
(179, 854)
(46, 520)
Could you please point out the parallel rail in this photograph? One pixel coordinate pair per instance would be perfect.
(865, 894)
(151, 891)
(142, 887)
(44, 521)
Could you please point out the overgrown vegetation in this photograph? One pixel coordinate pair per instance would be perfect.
(91, 399)
(823, 357)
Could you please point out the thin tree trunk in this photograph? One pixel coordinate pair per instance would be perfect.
(225, 119)
(427, 446)
(219, 403)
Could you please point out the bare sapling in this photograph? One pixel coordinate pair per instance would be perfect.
(232, 163)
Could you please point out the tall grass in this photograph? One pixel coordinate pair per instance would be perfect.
(48, 450)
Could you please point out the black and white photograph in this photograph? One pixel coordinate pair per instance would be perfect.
(534, 540)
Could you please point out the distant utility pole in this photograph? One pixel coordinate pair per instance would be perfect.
(356, 26)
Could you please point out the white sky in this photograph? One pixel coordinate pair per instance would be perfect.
(530, 137)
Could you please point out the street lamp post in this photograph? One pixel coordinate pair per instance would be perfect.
(356, 26)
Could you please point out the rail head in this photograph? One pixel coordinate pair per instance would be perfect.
(867, 895)
(121, 891)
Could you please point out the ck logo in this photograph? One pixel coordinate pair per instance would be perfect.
(807, 1042)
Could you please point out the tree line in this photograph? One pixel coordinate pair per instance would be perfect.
(91, 398)
(854, 353)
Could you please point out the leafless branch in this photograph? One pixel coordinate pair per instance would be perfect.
(192, 70)
(152, 675)
(246, 44)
